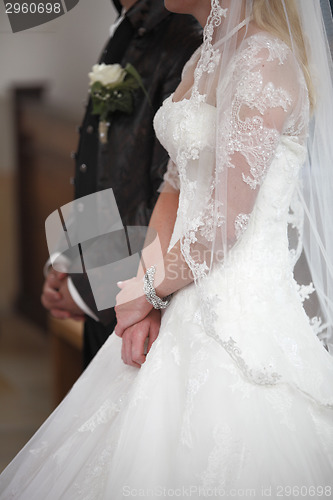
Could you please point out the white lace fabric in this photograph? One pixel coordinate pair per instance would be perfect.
(239, 146)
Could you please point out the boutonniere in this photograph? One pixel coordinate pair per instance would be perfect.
(111, 89)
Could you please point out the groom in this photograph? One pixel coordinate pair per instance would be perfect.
(157, 43)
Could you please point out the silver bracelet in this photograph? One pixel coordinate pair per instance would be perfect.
(150, 293)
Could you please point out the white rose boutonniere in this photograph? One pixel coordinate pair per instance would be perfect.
(107, 74)
(111, 88)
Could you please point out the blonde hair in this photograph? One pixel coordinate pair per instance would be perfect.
(270, 15)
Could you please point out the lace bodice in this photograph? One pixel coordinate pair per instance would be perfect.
(267, 119)
(179, 125)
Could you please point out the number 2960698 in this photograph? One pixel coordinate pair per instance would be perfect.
(33, 8)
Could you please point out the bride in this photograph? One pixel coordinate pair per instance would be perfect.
(235, 397)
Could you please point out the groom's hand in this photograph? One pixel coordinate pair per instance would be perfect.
(138, 339)
(57, 299)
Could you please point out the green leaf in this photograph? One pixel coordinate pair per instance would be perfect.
(96, 87)
(133, 72)
(98, 107)
(123, 104)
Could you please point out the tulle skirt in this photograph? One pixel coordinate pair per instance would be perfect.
(187, 424)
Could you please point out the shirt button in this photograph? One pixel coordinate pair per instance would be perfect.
(90, 129)
(80, 207)
(141, 31)
(83, 167)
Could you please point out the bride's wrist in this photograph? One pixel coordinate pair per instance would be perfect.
(157, 299)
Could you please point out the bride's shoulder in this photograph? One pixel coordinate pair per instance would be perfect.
(264, 61)
(265, 52)
(266, 44)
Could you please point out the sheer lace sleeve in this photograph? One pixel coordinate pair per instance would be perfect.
(269, 101)
(262, 98)
(170, 182)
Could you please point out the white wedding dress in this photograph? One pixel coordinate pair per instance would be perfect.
(250, 415)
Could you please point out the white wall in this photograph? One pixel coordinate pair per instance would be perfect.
(60, 52)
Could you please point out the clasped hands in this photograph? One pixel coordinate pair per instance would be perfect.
(137, 322)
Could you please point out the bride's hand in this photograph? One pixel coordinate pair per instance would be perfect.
(131, 304)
